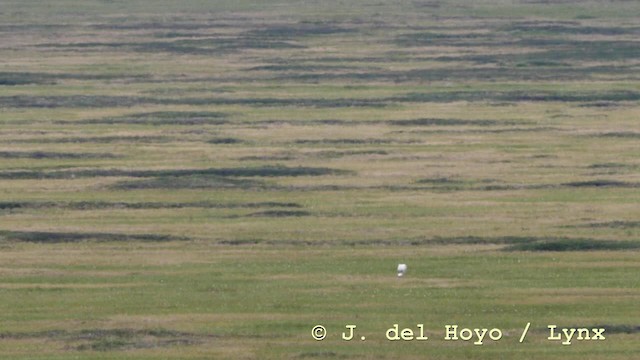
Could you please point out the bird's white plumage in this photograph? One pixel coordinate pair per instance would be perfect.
(402, 268)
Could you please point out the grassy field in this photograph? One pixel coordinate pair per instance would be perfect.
(211, 179)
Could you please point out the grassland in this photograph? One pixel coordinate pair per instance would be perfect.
(211, 179)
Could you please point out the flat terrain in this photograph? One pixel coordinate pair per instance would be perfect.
(211, 179)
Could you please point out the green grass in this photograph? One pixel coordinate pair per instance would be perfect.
(209, 180)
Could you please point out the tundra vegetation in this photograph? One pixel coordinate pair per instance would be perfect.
(210, 179)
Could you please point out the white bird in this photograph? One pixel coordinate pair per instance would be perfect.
(402, 268)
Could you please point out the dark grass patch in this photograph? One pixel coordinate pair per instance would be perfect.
(224, 140)
(418, 241)
(277, 102)
(272, 204)
(445, 183)
(343, 141)
(182, 92)
(330, 187)
(614, 329)
(122, 339)
(184, 46)
(601, 183)
(237, 242)
(261, 171)
(529, 243)
(456, 184)
(418, 187)
(567, 244)
(98, 139)
(109, 343)
(611, 168)
(518, 96)
(452, 184)
(429, 38)
(113, 339)
(332, 122)
(306, 67)
(555, 59)
(599, 104)
(340, 59)
(575, 50)
(264, 171)
(439, 180)
(11, 205)
(98, 205)
(610, 96)
(211, 45)
(338, 154)
(187, 182)
(481, 240)
(520, 66)
(542, 63)
(171, 25)
(555, 41)
(291, 31)
(46, 237)
(180, 34)
(24, 78)
(556, 28)
(267, 158)
(507, 187)
(521, 69)
(608, 165)
(161, 118)
(238, 43)
(446, 122)
(91, 101)
(31, 27)
(511, 243)
(23, 101)
(54, 155)
(621, 134)
(513, 129)
(40, 78)
(79, 101)
(480, 131)
(350, 141)
(279, 213)
(610, 225)
(337, 122)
